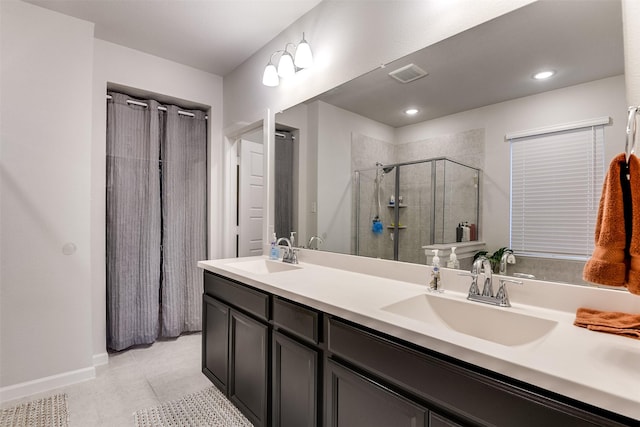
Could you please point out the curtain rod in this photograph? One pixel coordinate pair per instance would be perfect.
(161, 108)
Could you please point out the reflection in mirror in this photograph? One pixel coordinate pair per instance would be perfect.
(249, 150)
(420, 203)
(477, 88)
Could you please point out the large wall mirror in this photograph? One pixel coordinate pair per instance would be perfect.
(358, 157)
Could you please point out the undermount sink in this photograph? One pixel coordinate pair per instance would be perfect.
(499, 325)
(263, 266)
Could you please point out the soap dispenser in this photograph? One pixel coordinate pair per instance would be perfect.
(275, 253)
(453, 259)
(292, 239)
(435, 285)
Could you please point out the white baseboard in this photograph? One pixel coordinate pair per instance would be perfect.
(40, 385)
(100, 359)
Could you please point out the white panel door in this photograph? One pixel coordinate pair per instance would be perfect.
(251, 199)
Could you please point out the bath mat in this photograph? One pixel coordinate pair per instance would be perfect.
(48, 412)
(208, 407)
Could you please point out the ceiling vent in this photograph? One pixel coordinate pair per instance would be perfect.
(408, 73)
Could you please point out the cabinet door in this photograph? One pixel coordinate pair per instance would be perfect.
(215, 341)
(354, 401)
(436, 420)
(248, 366)
(295, 383)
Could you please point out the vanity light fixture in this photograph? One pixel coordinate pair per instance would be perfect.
(288, 65)
(542, 75)
(270, 75)
(285, 65)
(411, 111)
(304, 58)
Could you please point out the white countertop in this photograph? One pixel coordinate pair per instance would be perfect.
(597, 368)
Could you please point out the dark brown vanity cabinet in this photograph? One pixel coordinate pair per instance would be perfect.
(236, 345)
(289, 365)
(296, 365)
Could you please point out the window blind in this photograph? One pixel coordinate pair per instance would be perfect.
(556, 182)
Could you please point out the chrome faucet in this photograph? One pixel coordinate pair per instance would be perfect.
(483, 265)
(487, 269)
(290, 253)
(507, 258)
(318, 239)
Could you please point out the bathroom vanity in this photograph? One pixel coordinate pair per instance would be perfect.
(314, 345)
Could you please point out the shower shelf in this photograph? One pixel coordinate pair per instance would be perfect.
(400, 227)
(400, 206)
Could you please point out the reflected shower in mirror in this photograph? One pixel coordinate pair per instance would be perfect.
(420, 204)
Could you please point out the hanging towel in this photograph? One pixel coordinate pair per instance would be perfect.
(608, 263)
(611, 322)
(633, 278)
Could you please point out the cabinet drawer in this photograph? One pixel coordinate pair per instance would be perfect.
(241, 296)
(296, 319)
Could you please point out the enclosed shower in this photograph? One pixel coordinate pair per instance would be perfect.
(401, 207)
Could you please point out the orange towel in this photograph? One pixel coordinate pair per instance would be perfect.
(612, 262)
(633, 277)
(611, 322)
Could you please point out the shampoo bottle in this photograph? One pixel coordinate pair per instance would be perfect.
(275, 253)
(453, 259)
(466, 232)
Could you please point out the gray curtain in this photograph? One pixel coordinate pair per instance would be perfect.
(133, 223)
(184, 225)
(156, 221)
(283, 217)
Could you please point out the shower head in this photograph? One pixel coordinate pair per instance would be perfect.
(383, 168)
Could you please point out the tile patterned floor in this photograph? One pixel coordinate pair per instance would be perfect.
(139, 378)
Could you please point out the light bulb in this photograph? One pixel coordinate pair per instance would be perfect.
(304, 58)
(285, 66)
(270, 76)
(543, 75)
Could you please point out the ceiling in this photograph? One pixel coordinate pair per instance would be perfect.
(211, 35)
(494, 62)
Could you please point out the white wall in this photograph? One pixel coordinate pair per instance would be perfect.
(335, 129)
(45, 167)
(127, 67)
(54, 81)
(630, 25)
(600, 98)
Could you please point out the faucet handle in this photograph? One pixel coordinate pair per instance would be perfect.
(473, 289)
(294, 256)
(502, 294)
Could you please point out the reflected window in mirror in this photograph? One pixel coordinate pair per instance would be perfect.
(556, 179)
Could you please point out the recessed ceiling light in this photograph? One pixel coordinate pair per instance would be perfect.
(543, 74)
(411, 111)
